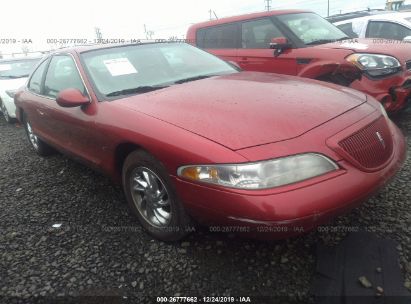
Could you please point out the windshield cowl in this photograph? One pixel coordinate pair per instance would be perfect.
(142, 89)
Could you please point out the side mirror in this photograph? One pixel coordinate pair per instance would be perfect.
(279, 44)
(70, 98)
(407, 39)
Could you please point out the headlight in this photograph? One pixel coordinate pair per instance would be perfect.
(261, 175)
(11, 93)
(375, 65)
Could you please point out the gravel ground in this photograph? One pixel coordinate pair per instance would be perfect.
(99, 249)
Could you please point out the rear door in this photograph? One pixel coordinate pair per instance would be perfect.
(255, 53)
(221, 40)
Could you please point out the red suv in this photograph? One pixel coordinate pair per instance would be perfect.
(301, 43)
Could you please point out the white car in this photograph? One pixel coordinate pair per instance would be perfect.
(395, 26)
(405, 6)
(13, 74)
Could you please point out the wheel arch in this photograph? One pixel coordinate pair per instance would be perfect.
(121, 152)
(20, 114)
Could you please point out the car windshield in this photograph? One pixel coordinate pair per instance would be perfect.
(11, 69)
(136, 69)
(311, 28)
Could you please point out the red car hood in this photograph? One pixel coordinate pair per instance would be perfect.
(247, 109)
(398, 49)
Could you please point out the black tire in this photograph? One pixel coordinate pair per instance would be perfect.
(6, 113)
(179, 221)
(36, 143)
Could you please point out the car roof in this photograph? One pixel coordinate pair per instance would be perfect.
(357, 14)
(247, 16)
(392, 16)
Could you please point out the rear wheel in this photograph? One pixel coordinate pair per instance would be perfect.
(38, 145)
(151, 197)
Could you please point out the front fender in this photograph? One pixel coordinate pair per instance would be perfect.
(336, 72)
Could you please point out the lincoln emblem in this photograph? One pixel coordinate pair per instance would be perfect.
(380, 139)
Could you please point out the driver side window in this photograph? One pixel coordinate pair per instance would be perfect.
(257, 34)
(62, 74)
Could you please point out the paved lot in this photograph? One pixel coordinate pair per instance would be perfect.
(99, 249)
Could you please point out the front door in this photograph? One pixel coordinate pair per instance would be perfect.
(255, 53)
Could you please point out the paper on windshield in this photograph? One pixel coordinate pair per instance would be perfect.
(120, 66)
(5, 67)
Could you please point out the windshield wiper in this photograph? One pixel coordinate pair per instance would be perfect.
(142, 89)
(323, 41)
(193, 78)
(13, 76)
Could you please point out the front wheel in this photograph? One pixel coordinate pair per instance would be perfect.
(38, 145)
(6, 114)
(152, 199)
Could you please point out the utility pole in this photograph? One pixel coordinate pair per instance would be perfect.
(98, 33)
(148, 33)
(328, 9)
(25, 49)
(268, 5)
(211, 12)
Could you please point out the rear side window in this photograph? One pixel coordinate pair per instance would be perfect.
(257, 34)
(218, 37)
(347, 28)
(62, 74)
(387, 30)
(35, 80)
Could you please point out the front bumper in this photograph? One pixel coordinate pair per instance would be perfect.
(288, 212)
(393, 92)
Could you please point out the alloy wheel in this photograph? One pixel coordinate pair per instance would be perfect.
(151, 197)
(33, 138)
(5, 112)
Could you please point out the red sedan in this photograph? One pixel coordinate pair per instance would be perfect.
(190, 136)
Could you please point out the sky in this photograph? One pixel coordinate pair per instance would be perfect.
(40, 20)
